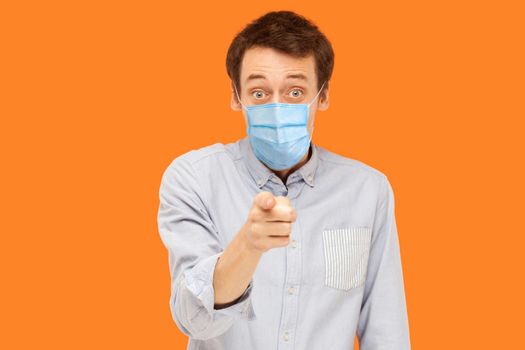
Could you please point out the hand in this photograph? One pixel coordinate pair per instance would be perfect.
(269, 222)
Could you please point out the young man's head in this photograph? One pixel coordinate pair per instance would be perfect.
(280, 66)
(280, 57)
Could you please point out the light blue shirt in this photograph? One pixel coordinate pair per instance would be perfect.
(340, 276)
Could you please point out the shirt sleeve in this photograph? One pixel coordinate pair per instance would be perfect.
(194, 247)
(383, 321)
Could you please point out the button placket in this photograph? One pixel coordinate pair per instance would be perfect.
(286, 336)
(291, 289)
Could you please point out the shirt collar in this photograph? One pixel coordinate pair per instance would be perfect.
(261, 174)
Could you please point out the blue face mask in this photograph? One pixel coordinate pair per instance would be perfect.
(278, 132)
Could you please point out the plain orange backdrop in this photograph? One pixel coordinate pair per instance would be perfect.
(98, 97)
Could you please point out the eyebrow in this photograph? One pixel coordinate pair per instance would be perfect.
(289, 76)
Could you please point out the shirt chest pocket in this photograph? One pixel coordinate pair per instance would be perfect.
(346, 252)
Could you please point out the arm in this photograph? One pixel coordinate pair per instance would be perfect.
(383, 322)
(194, 249)
(239, 259)
(268, 226)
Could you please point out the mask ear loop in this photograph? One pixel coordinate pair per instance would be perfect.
(321, 89)
(238, 98)
(311, 136)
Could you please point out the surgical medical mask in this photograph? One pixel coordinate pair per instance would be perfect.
(278, 132)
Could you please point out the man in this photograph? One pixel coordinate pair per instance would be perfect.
(275, 242)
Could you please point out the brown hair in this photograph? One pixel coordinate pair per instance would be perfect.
(286, 32)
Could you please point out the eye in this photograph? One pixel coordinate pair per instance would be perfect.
(296, 93)
(258, 94)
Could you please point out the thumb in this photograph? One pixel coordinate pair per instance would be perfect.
(265, 200)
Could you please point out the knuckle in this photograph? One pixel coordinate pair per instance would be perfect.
(257, 199)
(255, 215)
(256, 228)
(262, 195)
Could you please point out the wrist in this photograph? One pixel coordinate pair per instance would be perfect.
(246, 244)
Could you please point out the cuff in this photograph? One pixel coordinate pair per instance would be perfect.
(199, 281)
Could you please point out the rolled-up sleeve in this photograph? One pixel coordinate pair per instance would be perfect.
(194, 247)
(383, 321)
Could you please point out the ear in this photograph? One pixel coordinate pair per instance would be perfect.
(234, 103)
(324, 100)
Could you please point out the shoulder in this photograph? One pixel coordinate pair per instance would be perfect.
(203, 159)
(349, 166)
(353, 171)
(199, 154)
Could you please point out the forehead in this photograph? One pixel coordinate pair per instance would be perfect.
(276, 66)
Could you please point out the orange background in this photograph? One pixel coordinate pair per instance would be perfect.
(98, 97)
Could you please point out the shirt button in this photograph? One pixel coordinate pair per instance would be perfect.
(291, 290)
(294, 244)
(286, 336)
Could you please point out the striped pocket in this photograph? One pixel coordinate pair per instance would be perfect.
(346, 253)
